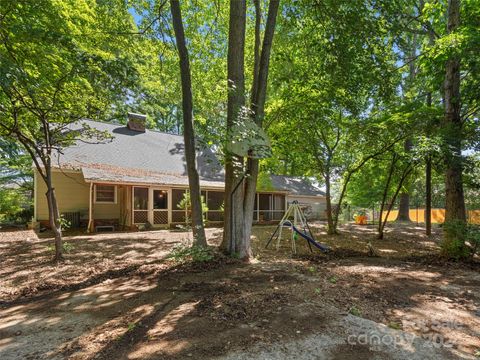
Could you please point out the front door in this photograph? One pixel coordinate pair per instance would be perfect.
(150, 205)
(160, 207)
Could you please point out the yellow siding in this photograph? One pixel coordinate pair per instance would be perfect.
(71, 191)
(108, 211)
(72, 195)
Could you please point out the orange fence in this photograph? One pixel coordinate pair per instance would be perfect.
(438, 215)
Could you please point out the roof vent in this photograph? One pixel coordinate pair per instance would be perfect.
(136, 122)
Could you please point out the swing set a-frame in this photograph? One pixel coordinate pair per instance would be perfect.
(295, 219)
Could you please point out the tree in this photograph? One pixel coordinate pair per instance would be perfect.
(188, 130)
(454, 196)
(388, 195)
(239, 200)
(59, 63)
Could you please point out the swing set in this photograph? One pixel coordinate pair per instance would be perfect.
(299, 227)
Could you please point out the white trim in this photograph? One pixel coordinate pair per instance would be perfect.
(105, 202)
(306, 196)
(90, 208)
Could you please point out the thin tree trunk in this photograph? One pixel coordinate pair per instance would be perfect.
(428, 196)
(257, 107)
(454, 196)
(381, 221)
(428, 180)
(53, 214)
(199, 238)
(405, 174)
(328, 198)
(404, 205)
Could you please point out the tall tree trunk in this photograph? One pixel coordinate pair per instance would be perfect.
(199, 238)
(381, 221)
(404, 205)
(257, 107)
(454, 196)
(240, 211)
(428, 183)
(232, 234)
(53, 214)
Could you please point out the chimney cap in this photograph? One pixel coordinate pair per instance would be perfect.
(136, 122)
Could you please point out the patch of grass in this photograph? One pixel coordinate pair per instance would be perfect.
(355, 311)
(131, 326)
(395, 325)
(318, 291)
(477, 353)
(312, 269)
(332, 280)
(182, 254)
(66, 246)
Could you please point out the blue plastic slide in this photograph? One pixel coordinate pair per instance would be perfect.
(310, 240)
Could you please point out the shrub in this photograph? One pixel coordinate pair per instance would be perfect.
(67, 247)
(182, 254)
(355, 311)
(473, 238)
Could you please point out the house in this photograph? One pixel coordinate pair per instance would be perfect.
(139, 177)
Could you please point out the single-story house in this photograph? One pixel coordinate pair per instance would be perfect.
(139, 177)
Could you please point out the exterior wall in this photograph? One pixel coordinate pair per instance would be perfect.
(72, 194)
(316, 204)
(108, 211)
(71, 191)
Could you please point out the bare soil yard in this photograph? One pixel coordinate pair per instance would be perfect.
(116, 297)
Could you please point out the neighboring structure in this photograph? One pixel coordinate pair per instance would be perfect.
(139, 177)
(307, 193)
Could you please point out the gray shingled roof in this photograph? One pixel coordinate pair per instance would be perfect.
(296, 185)
(151, 151)
(154, 157)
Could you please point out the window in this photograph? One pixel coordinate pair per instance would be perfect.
(106, 194)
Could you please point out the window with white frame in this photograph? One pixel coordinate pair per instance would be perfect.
(106, 194)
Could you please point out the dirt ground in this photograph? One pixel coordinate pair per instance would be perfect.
(116, 297)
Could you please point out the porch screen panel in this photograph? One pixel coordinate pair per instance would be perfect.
(140, 198)
(265, 210)
(140, 205)
(178, 214)
(160, 207)
(278, 207)
(215, 205)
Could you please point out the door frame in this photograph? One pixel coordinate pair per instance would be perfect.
(150, 208)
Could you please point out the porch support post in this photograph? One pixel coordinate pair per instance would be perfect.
(35, 194)
(170, 206)
(258, 207)
(90, 209)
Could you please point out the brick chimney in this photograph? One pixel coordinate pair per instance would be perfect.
(136, 122)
